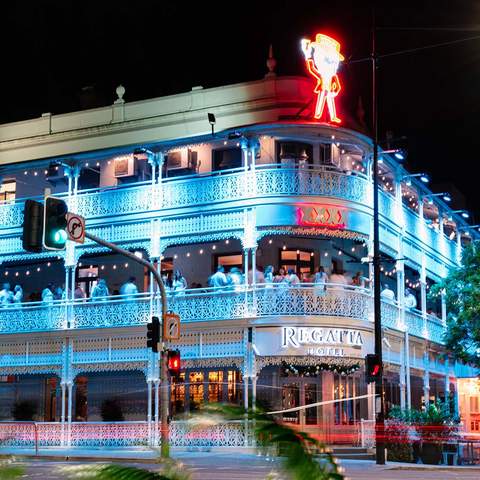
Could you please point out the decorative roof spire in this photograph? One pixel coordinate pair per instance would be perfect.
(120, 91)
(271, 64)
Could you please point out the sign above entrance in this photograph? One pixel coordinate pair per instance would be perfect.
(318, 216)
(317, 341)
(323, 57)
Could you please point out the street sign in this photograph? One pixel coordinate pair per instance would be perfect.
(75, 227)
(171, 326)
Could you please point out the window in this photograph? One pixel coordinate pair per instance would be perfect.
(8, 190)
(87, 278)
(215, 386)
(196, 390)
(301, 261)
(226, 158)
(474, 402)
(228, 260)
(180, 162)
(294, 154)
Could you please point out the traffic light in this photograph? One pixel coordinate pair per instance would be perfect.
(173, 362)
(373, 367)
(153, 334)
(54, 224)
(32, 226)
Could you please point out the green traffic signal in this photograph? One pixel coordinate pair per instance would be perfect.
(55, 224)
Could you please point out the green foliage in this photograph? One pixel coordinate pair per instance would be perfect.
(9, 471)
(24, 410)
(171, 471)
(462, 296)
(297, 448)
(398, 433)
(111, 411)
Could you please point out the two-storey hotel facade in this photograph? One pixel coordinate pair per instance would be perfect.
(270, 189)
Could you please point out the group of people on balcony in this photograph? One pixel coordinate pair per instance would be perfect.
(10, 297)
(388, 294)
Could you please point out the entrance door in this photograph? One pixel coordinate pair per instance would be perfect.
(300, 391)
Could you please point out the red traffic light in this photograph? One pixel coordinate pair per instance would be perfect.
(373, 367)
(174, 362)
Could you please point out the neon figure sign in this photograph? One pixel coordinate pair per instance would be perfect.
(331, 217)
(323, 57)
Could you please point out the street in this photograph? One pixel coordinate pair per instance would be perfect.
(241, 466)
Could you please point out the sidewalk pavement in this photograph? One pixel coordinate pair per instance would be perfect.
(147, 455)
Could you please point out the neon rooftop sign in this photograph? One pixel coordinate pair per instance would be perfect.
(331, 217)
(323, 58)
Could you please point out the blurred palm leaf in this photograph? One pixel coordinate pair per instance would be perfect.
(120, 472)
(296, 449)
(9, 471)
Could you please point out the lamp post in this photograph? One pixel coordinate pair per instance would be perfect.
(379, 409)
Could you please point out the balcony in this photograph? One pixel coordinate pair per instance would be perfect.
(210, 305)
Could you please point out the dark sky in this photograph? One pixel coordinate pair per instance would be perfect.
(51, 49)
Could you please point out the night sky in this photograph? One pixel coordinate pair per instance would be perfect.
(51, 50)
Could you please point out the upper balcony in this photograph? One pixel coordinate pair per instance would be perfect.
(272, 303)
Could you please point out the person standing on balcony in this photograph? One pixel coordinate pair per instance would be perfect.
(292, 278)
(387, 293)
(338, 277)
(17, 295)
(78, 294)
(5, 294)
(47, 294)
(129, 289)
(268, 276)
(280, 277)
(235, 279)
(179, 283)
(358, 280)
(218, 279)
(100, 291)
(410, 299)
(320, 279)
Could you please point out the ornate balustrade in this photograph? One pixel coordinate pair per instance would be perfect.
(114, 201)
(217, 304)
(38, 435)
(33, 317)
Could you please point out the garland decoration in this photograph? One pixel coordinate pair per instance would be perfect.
(289, 369)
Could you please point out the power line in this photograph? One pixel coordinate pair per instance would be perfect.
(416, 49)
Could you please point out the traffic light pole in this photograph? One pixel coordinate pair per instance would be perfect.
(164, 395)
(377, 314)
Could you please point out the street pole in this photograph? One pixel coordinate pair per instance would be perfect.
(379, 412)
(164, 396)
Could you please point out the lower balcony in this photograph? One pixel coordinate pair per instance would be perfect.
(215, 304)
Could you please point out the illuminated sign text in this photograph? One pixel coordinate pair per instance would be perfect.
(317, 216)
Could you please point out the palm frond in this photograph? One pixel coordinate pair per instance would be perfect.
(297, 449)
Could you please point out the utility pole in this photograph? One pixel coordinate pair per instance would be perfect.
(164, 384)
(379, 411)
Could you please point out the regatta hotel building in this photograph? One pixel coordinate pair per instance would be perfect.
(271, 187)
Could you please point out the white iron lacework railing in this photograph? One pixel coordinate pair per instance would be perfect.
(278, 180)
(212, 304)
(114, 201)
(390, 314)
(38, 435)
(112, 311)
(435, 328)
(320, 300)
(387, 205)
(412, 222)
(217, 186)
(32, 317)
(414, 322)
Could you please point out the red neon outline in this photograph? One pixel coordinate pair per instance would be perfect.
(305, 223)
(326, 88)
